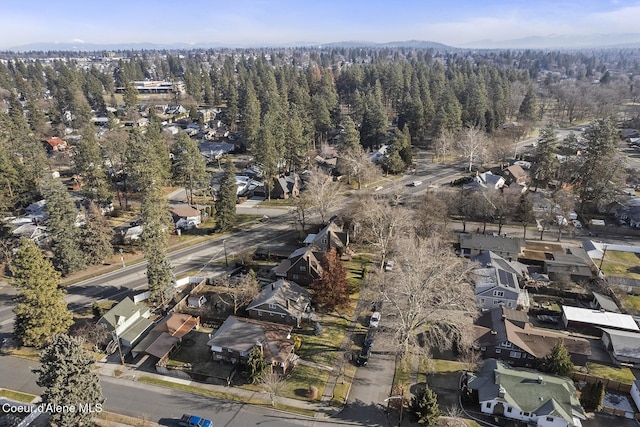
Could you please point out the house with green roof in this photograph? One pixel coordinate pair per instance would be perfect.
(128, 320)
(525, 395)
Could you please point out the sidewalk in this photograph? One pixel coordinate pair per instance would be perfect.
(322, 409)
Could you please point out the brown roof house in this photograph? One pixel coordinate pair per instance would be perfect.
(286, 186)
(166, 335)
(514, 174)
(127, 320)
(186, 217)
(301, 266)
(281, 302)
(237, 336)
(507, 335)
(56, 144)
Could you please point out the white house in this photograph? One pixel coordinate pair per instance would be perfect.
(525, 395)
(635, 392)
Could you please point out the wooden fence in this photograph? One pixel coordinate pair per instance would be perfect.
(608, 384)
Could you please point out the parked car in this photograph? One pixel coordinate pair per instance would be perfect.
(378, 188)
(363, 357)
(576, 223)
(375, 319)
(194, 421)
(370, 337)
(416, 183)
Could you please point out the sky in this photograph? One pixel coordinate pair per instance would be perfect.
(264, 22)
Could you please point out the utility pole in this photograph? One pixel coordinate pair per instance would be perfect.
(604, 252)
(224, 245)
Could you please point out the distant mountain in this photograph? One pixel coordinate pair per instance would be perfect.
(92, 47)
(553, 41)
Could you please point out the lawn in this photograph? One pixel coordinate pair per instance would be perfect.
(17, 396)
(195, 356)
(621, 264)
(624, 375)
(323, 348)
(301, 378)
(632, 303)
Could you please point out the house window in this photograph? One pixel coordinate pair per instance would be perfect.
(526, 414)
(483, 348)
(481, 300)
(303, 268)
(260, 313)
(272, 305)
(509, 409)
(509, 304)
(488, 404)
(498, 351)
(515, 354)
(282, 315)
(505, 344)
(550, 419)
(498, 294)
(295, 277)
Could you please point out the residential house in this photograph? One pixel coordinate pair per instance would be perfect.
(525, 395)
(286, 186)
(128, 321)
(166, 335)
(506, 334)
(603, 302)
(301, 266)
(515, 174)
(485, 181)
(496, 286)
(592, 321)
(509, 248)
(280, 302)
(31, 231)
(56, 144)
(558, 265)
(186, 217)
(237, 336)
(624, 346)
(628, 212)
(330, 236)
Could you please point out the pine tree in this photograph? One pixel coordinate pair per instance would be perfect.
(97, 234)
(226, 203)
(424, 406)
(189, 168)
(527, 109)
(66, 373)
(558, 362)
(154, 213)
(40, 309)
(90, 166)
(256, 364)
(545, 165)
(331, 290)
(63, 232)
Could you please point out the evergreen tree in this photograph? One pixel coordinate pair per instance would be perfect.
(64, 234)
(189, 168)
(331, 290)
(424, 407)
(67, 376)
(558, 362)
(97, 234)
(226, 203)
(256, 364)
(90, 166)
(250, 114)
(130, 96)
(41, 311)
(545, 164)
(154, 213)
(527, 109)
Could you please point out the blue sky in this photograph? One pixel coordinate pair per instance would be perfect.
(255, 22)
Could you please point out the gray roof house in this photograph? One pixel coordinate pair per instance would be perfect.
(280, 302)
(525, 395)
(628, 211)
(506, 334)
(603, 302)
(129, 321)
(472, 244)
(496, 286)
(302, 266)
(486, 181)
(624, 346)
(237, 336)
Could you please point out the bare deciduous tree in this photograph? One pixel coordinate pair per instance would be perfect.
(472, 143)
(431, 301)
(243, 291)
(378, 223)
(322, 192)
(272, 384)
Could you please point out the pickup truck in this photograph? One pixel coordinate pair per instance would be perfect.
(194, 421)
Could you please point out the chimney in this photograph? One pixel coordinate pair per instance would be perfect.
(501, 392)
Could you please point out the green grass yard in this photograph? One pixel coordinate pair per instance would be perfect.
(621, 264)
(624, 375)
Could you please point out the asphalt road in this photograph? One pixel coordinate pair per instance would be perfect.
(195, 259)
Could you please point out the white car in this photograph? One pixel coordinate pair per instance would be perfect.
(378, 188)
(416, 183)
(576, 223)
(375, 319)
